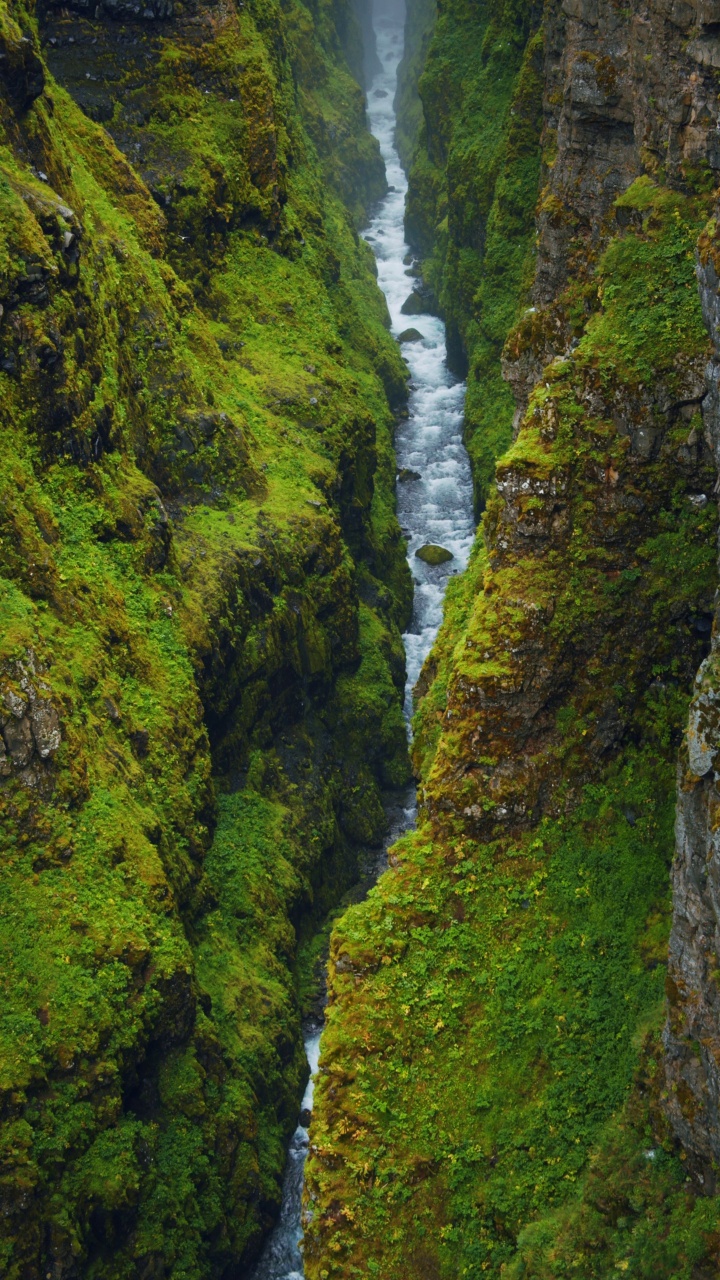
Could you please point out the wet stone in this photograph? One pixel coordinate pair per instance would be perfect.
(434, 555)
(410, 335)
(414, 305)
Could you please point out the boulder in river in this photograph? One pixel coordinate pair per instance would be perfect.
(406, 474)
(411, 335)
(433, 554)
(414, 305)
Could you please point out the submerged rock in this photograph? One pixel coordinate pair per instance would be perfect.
(405, 475)
(432, 554)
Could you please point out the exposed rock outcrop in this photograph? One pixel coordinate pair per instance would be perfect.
(692, 1035)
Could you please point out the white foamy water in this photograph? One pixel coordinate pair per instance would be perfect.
(437, 508)
(282, 1259)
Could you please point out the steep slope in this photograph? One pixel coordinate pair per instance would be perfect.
(420, 19)
(202, 587)
(473, 189)
(493, 1096)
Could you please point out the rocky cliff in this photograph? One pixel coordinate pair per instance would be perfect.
(473, 188)
(496, 1097)
(202, 585)
(691, 1036)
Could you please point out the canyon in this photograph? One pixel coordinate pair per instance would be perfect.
(250, 366)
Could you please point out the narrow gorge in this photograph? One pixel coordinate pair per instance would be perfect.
(359, 439)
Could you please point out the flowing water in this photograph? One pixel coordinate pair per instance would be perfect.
(435, 505)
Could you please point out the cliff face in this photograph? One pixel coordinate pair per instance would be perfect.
(202, 583)
(473, 189)
(494, 1095)
(691, 1036)
(420, 19)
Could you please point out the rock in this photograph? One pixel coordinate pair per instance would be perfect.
(45, 727)
(434, 555)
(406, 475)
(22, 76)
(18, 741)
(140, 740)
(414, 305)
(381, 93)
(159, 532)
(13, 703)
(305, 1118)
(411, 335)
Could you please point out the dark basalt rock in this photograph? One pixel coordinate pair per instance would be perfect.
(125, 10)
(22, 77)
(406, 475)
(410, 335)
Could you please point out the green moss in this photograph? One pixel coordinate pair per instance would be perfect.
(636, 1212)
(650, 309)
(489, 1087)
(492, 1038)
(197, 468)
(419, 23)
(471, 205)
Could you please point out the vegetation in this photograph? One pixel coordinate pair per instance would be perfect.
(491, 1073)
(473, 190)
(202, 585)
(420, 23)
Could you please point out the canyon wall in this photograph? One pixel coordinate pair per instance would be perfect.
(499, 1093)
(202, 589)
(473, 189)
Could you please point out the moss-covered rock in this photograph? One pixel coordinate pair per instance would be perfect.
(202, 589)
(474, 178)
(483, 1067)
(433, 555)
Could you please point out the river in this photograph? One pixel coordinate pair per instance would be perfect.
(435, 505)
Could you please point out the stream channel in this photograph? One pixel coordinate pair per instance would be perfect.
(435, 505)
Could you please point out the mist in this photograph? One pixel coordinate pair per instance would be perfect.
(394, 9)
